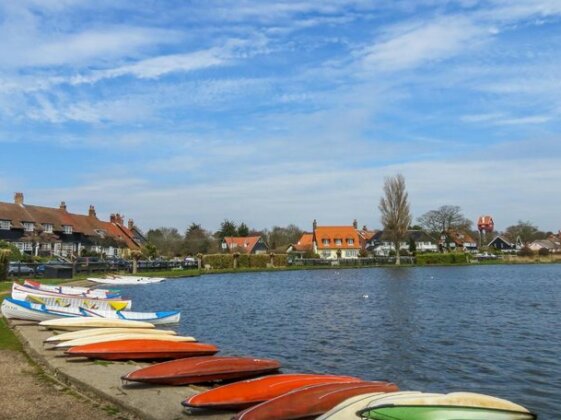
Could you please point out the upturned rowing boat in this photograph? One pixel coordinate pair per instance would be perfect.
(244, 394)
(17, 309)
(91, 332)
(145, 349)
(73, 290)
(131, 335)
(202, 369)
(79, 323)
(123, 280)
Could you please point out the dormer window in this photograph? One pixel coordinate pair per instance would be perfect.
(338, 242)
(5, 225)
(100, 233)
(325, 242)
(350, 241)
(67, 229)
(48, 228)
(28, 227)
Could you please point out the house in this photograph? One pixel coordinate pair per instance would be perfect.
(381, 243)
(334, 242)
(501, 243)
(38, 230)
(552, 246)
(244, 244)
(303, 247)
(456, 240)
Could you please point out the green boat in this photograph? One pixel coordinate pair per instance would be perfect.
(425, 412)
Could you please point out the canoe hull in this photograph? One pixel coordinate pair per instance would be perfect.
(244, 394)
(127, 280)
(202, 369)
(311, 401)
(73, 290)
(132, 335)
(442, 413)
(92, 332)
(79, 323)
(141, 350)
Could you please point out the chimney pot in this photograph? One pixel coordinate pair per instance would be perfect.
(63, 205)
(91, 211)
(131, 224)
(355, 224)
(315, 224)
(18, 198)
(112, 218)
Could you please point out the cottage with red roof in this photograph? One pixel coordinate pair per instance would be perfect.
(38, 230)
(304, 246)
(334, 242)
(244, 244)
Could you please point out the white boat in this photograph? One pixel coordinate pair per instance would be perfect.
(123, 280)
(12, 308)
(132, 335)
(20, 292)
(91, 332)
(80, 323)
(74, 290)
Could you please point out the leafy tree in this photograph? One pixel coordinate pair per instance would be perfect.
(14, 253)
(167, 240)
(525, 230)
(150, 250)
(243, 230)
(412, 246)
(197, 240)
(443, 219)
(279, 238)
(227, 228)
(394, 208)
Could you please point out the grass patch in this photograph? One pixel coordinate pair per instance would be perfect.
(111, 410)
(102, 362)
(8, 340)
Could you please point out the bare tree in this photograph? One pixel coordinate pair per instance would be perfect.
(394, 207)
(443, 219)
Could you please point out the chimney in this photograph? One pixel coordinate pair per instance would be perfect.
(131, 224)
(62, 206)
(18, 199)
(112, 218)
(91, 211)
(355, 224)
(364, 228)
(315, 224)
(119, 218)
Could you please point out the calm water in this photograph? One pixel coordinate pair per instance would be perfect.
(493, 329)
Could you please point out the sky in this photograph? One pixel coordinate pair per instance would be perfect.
(279, 112)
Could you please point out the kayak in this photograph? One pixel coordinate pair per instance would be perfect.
(311, 401)
(126, 280)
(202, 369)
(132, 335)
(141, 349)
(91, 332)
(78, 323)
(73, 290)
(348, 408)
(244, 394)
(12, 308)
(389, 412)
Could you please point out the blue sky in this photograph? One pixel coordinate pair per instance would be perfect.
(272, 113)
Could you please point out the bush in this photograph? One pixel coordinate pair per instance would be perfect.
(526, 252)
(442, 259)
(219, 261)
(543, 252)
(259, 260)
(15, 254)
(280, 260)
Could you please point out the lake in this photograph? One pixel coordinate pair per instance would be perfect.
(489, 329)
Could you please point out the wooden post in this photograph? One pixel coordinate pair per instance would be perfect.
(200, 261)
(236, 256)
(272, 259)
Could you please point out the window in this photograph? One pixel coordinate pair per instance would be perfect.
(325, 241)
(352, 253)
(48, 228)
(338, 242)
(67, 229)
(28, 227)
(5, 224)
(100, 233)
(350, 241)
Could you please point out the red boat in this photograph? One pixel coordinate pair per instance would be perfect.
(244, 394)
(311, 401)
(143, 349)
(202, 369)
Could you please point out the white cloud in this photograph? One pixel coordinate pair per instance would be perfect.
(503, 119)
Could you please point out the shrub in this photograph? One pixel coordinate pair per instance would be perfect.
(280, 260)
(15, 254)
(219, 261)
(259, 260)
(448, 258)
(243, 261)
(543, 252)
(526, 252)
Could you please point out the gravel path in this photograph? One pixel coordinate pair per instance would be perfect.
(26, 393)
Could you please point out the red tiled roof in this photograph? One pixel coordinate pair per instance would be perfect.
(333, 233)
(243, 244)
(460, 238)
(305, 243)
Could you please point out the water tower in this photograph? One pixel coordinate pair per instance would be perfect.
(485, 225)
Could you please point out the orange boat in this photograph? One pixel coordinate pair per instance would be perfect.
(142, 349)
(244, 394)
(202, 369)
(311, 401)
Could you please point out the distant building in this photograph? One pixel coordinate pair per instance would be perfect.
(38, 230)
(381, 244)
(551, 245)
(244, 244)
(303, 247)
(502, 244)
(334, 242)
(455, 240)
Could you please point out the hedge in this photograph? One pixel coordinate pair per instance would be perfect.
(226, 261)
(219, 261)
(449, 258)
(280, 260)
